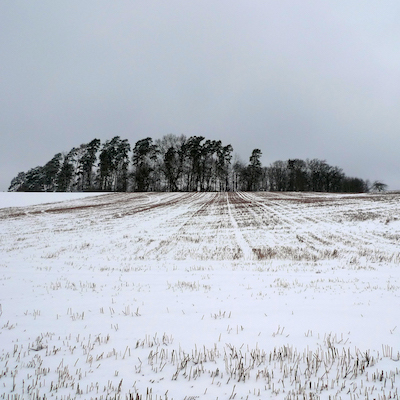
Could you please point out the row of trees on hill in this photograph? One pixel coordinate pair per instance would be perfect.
(177, 163)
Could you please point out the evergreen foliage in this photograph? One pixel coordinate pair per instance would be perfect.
(177, 163)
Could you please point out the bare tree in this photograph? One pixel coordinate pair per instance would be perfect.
(379, 186)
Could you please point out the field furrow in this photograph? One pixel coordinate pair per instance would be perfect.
(157, 296)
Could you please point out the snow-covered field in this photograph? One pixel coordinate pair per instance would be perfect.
(190, 296)
(23, 199)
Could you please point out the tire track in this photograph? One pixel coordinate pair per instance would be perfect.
(243, 244)
(328, 239)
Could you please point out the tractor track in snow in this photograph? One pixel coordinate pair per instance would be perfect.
(233, 225)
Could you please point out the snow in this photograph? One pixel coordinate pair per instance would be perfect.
(200, 296)
(23, 199)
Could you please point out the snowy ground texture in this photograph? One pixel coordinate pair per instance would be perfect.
(201, 296)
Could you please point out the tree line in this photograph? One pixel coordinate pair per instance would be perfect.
(177, 163)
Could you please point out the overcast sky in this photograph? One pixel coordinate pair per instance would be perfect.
(297, 79)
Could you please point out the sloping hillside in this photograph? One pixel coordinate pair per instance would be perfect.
(201, 296)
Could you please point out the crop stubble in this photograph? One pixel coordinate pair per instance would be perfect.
(200, 294)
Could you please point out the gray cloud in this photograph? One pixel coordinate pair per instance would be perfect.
(305, 79)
